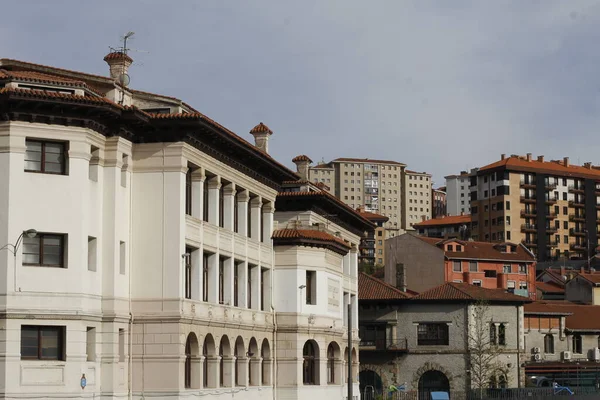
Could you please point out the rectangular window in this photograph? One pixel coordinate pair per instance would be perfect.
(122, 257)
(431, 334)
(508, 205)
(44, 250)
(476, 282)
(121, 345)
(187, 260)
(456, 267)
(45, 157)
(221, 206)
(42, 342)
(205, 201)
(523, 268)
(221, 280)
(90, 343)
(311, 287)
(490, 273)
(472, 266)
(523, 285)
(188, 191)
(92, 253)
(205, 276)
(236, 276)
(566, 239)
(507, 269)
(249, 286)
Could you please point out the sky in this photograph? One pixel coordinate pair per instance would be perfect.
(441, 86)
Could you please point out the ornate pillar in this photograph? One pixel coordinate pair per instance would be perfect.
(242, 204)
(198, 178)
(212, 363)
(255, 371)
(214, 187)
(255, 214)
(228, 371)
(339, 375)
(268, 210)
(228, 205)
(213, 278)
(242, 365)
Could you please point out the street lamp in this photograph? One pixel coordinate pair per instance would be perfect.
(13, 248)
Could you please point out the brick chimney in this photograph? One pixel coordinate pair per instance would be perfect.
(566, 161)
(302, 165)
(118, 63)
(529, 157)
(261, 134)
(540, 158)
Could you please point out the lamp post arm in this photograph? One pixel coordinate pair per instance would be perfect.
(18, 243)
(9, 247)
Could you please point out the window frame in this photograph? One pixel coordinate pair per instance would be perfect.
(42, 170)
(41, 236)
(439, 329)
(61, 342)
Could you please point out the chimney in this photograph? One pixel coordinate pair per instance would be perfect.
(528, 156)
(566, 161)
(462, 213)
(261, 134)
(360, 209)
(302, 163)
(588, 165)
(540, 158)
(118, 64)
(502, 156)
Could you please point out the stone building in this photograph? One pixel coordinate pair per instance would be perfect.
(423, 341)
(149, 258)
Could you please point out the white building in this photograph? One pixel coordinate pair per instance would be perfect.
(457, 194)
(158, 267)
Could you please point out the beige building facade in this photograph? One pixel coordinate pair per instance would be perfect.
(416, 197)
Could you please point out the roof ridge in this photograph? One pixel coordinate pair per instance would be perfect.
(384, 283)
(462, 291)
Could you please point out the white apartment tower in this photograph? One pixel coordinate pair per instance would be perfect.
(457, 194)
(152, 253)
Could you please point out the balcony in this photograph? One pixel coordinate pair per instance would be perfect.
(550, 215)
(528, 199)
(383, 344)
(576, 188)
(553, 243)
(576, 232)
(527, 184)
(549, 185)
(576, 204)
(550, 200)
(528, 213)
(551, 229)
(531, 228)
(578, 247)
(577, 218)
(529, 243)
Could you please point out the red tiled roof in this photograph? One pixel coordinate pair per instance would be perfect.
(550, 287)
(261, 128)
(323, 166)
(39, 77)
(371, 288)
(54, 70)
(322, 185)
(580, 317)
(467, 292)
(301, 157)
(42, 94)
(518, 163)
(442, 221)
(554, 275)
(548, 307)
(592, 278)
(117, 55)
(481, 251)
(367, 160)
(372, 216)
(310, 234)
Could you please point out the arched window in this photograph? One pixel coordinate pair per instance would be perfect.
(205, 366)
(221, 365)
(502, 335)
(549, 344)
(188, 364)
(309, 364)
(493, 384)
(493, 337)
(502, 382)
(191, 373)
(330, 364)
(236, 367)
(577, 344)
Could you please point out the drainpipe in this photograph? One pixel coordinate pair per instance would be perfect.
(130, 372)
(274, 356)
(518, 348)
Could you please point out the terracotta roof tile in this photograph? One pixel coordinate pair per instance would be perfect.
(32, 76)
(449, 220)
(550, 287)
(372, 216)
(312, 234)
(301, 157)
(322, 185)
(580, 317)
(117, 55)
(593, 278)
(42, 94)
(371, 288)
(467, 292)
(482, 251)
(368, 160)
(261, 128)
(517, 163)
(554, 275)
(55, 70)
(548, 307)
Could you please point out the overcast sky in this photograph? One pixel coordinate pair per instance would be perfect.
(439, 85)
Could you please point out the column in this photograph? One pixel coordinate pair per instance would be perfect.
(202, 363)
(242, 371)
(267, 370)
(212, 363)
(213, 278)
(265, 277)
(256, 371)
(228, 280)
(339, 371)
(255, 211)
(243, 284)
(345, 308)
(196, 258)
(198, 178)
(242, 204)
(267, 221)
(228, 205)
(346, 264)
(354, 311)
(228, 372)
(354, 261)
(214, 186)
(255, 282)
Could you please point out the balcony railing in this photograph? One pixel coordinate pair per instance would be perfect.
(528, 213)
(529, 243)
(528, 228)
(576, 188)
(385, 344)
(551, 229)
(527, 183)
(578, 247)
(553, 243)
(577, 232)
(550, 185)
(550, 199)
(577, 218)
(578, 204)
(528, 199)
(550, 215)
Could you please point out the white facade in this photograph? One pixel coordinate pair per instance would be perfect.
(457, 194)
(153, 274)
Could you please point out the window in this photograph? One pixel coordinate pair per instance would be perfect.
(236, 272)
(330, 364)
(45, 157)
(309, 375)
(90, 344)
(490, 273)
(221, 280)
(502, 335)
(549, 344)
(205, 202)
(222, 206)
(477, 282)
(523, 285)
(92, 249)
(44, 250)
(507, 269)
(121, 345)
(450, 247)
(187, 259)
(311, 287)
(564, 198)
(456, 267)
(577, 344)
(458, 248)
(508, 205)
(431, 334)
(122, 258)
(472, 266)
(493, 334)
(205, 277)
(42, 342)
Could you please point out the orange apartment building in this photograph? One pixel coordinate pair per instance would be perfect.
(422, 263)
(549, 206)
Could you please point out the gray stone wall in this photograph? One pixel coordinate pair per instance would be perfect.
(578, 290)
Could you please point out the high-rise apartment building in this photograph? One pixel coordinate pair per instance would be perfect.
(550, 206)
(375, 185)
(416, 197)
(457, 194)
(438, 202)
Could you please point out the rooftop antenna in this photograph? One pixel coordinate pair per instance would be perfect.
(124, 78)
